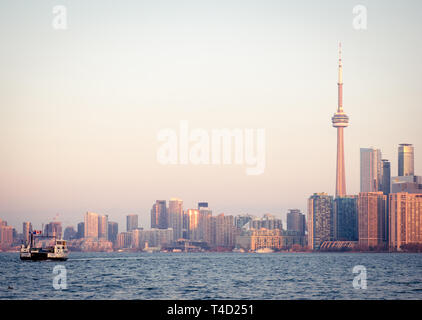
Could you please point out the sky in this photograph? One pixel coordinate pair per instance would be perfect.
(81, 108)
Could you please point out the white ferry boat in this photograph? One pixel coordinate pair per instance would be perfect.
(58, 251)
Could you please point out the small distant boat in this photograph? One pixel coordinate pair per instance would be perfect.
(264, 250)
(240, 250)
(177, 250)
(57, 252)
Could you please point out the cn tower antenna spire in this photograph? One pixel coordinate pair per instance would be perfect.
(340, 81)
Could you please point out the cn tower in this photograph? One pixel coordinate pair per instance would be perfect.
(340, 121)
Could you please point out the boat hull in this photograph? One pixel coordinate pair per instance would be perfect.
(42, 257)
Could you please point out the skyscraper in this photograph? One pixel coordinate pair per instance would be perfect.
(340, 121)
(296, 221)
(175, 217)
(370, 170)
(81, 230)
(131, 222)
(320, 219)
(69, 233)
(53, 229)
(386, 177)
(159, 215)
(345, 219)
(103, 227)
(193, 224)
(407, 181)
(26, 229)
(6, 235)
(372, 219)
(405, 220)
(224, 231)
(91, 220)
(113, 230)
(406, 160)
(205, 224)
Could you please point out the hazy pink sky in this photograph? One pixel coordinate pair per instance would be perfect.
(80, 109)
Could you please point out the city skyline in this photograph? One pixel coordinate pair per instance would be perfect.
(70, 148)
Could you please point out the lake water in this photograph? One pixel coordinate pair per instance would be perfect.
(214, 276)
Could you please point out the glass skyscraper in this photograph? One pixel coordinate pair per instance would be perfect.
(406, 160)
(370, 170)
(345, 218)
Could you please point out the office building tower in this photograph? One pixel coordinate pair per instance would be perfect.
(131, 222)
(296, 221)
(91, 224)
(103, 227)
(372, 219)
(406, 160)
(53, 229)
(205, 224)
(26, 230)
(175, 217)
(69, 233)
(81, 230)
(193, 224)
(113, 231)
(345, 219)
(370, 170)
(385, 177)
(320, 220)
(159, 215)
(405, 220)
(340, 121)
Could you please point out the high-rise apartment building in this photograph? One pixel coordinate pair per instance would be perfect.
(224, 230)
(372, 219)
(267, 221)
(6, 235)
(159, 215)
(320, 220)
(406, 160)
(242, 220)
(124, 240)
(405, 220)
(296, 221)
(370, 170)
(131, 222)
